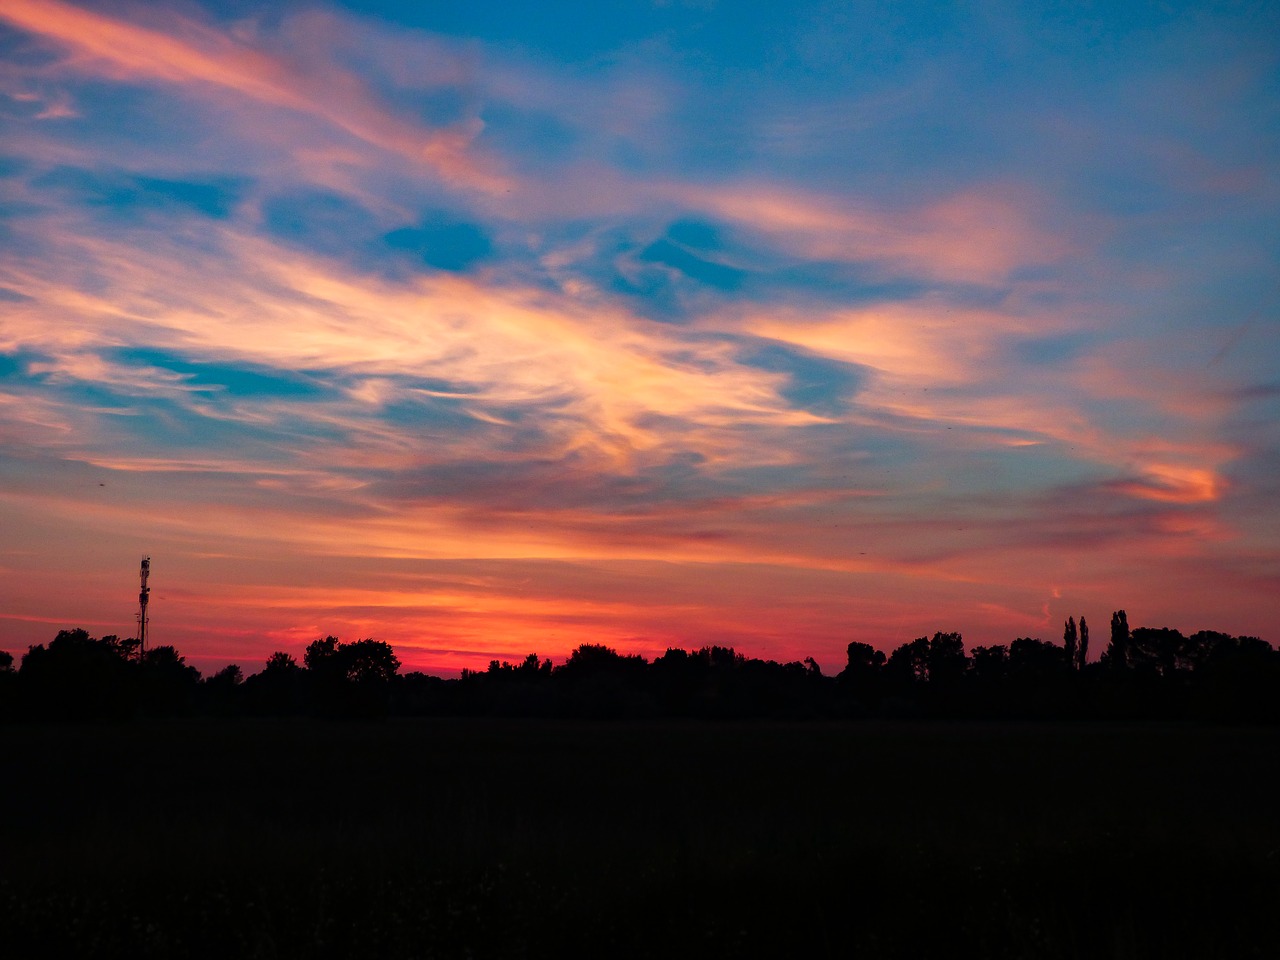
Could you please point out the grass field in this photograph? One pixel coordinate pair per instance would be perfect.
(451, 838)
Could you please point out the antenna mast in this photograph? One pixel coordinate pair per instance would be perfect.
(143, 595)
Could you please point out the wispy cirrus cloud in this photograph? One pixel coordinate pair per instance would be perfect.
(177, 50)
(975, 236)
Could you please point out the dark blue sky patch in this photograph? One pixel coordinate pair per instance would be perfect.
(541, 139)
(236, 380)
(1257, 391)
(12, 296)
(442, 243)
(695, 235)
(318, 220)
(839, 283)
(533, 483)
(165, 425)
(818, 384)
(157, 424)
(771, 479)
(129, 195)
(102, 399)
(650, 295)
(430, 415)
(473, 482)
(440, 408)
(704, 271)
(577, 31)
(1049, 350)
(680, 478)
(11, 365)
(11, 166)
(14, 209)
(661, 279)
(439, 107)
(698, 251)
(213, 198)
(690, 247)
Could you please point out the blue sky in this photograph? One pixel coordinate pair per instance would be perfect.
(485, 329)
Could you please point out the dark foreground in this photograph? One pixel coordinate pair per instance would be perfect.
(452, 838)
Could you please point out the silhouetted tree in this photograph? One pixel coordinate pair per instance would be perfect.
(1039, 675)
(418, 694)
(766, 688)
(368, 661)
(908, 665)
(278, 688)
(947, 660)
(1238, 678)
(326, 680)
(508, 689)
(679, 681)
(1194, 650)
(926, 671)
(221, 692)
(593, 659)
(989, 665)
(168, 685)
(9, 705)
(860, 679)
(725, 659)
(321, 655)
(126, 649)
(280, 663)
(1035, 661)
(1116, 656)
(78, 676)
(1149, 672)
(532, 668)
(350, 678)
(598, 681)
(231, 676)
(863, 660)
(1159, 650)
(987, 681)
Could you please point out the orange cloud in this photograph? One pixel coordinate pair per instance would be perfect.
(1175, 484)
(613, 377)
(934, 366)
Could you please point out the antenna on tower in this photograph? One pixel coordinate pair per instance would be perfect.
(144, 594)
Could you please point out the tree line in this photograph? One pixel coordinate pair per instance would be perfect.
(1143, 673)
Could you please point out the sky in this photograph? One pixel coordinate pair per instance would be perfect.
(495, 328)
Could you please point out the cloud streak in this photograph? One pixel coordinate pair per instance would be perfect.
(180, 51)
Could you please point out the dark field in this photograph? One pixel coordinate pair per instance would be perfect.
(451, 838)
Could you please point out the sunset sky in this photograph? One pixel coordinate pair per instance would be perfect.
(487, 328)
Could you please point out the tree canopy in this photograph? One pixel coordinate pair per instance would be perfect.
(1143, 672)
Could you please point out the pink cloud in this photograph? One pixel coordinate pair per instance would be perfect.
(977, 236)
(180, 51)
(1174, 484)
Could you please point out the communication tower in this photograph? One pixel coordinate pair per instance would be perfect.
(143, 595)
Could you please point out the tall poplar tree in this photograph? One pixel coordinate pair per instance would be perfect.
(1069, 638)
(1082, 651)
(1117, 653)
